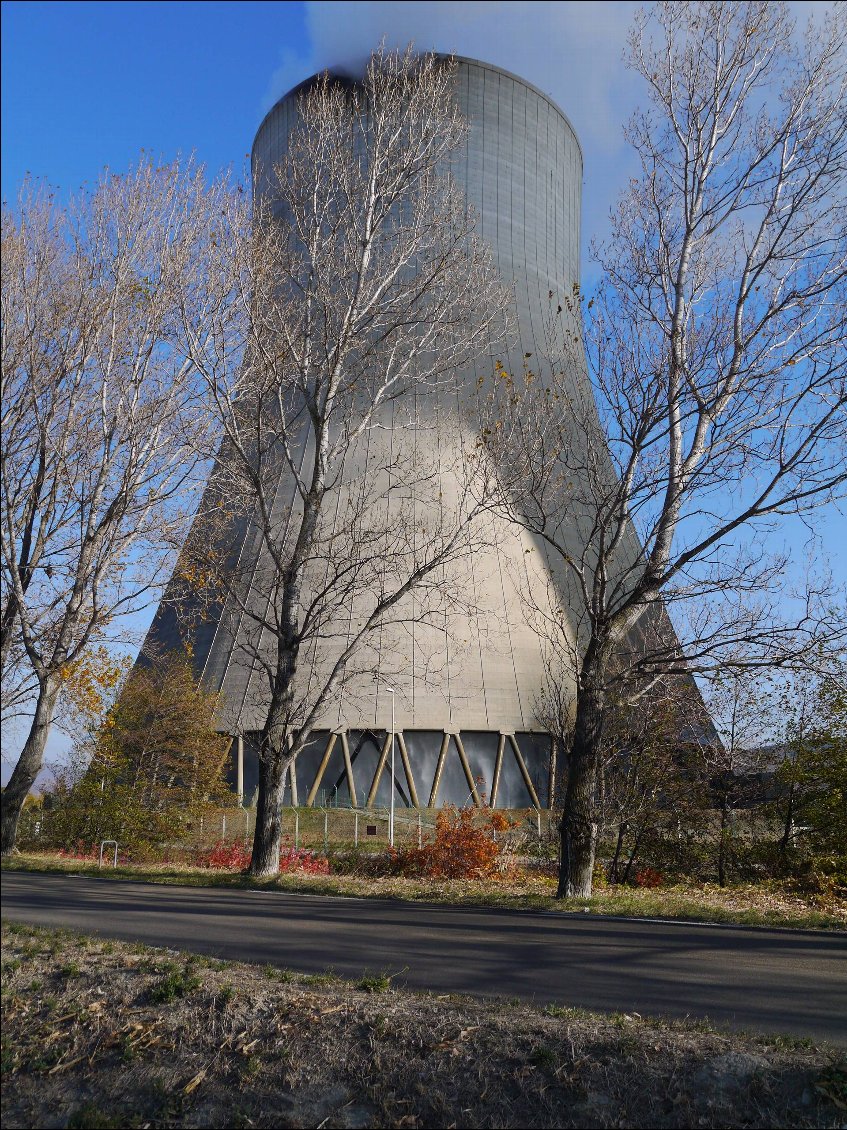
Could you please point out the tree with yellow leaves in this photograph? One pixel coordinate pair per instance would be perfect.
(153, 768)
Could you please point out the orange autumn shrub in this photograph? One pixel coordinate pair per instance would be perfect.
(463, 846)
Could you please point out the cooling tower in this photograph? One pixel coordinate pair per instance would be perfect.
(465, 694)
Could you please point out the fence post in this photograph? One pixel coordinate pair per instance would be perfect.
(296, 829)
(356, 829)
(223, 827)
(246, 825)
(420, 832)
(538, 821)
(326, 831)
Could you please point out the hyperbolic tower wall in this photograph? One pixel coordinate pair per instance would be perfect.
(465, 701)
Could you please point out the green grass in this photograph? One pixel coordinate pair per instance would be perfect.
(175, 984)
(565, 1012)
(544, 1057)
(320, 980)
(284, 976)
(374, 983)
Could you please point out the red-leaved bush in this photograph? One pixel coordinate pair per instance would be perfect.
(226, 855)
(298, 859)
(232, 855)
(647, 877)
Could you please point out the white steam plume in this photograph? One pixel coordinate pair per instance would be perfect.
(570, 50)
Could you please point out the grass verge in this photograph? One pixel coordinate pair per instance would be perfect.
(761, 904)
(240, 1045)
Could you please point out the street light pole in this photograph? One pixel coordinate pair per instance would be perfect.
(392, 692)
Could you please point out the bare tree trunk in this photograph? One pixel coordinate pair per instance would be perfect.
(722, 843)
(29, 764)
(273, 765)
(613, 869)
(636, 844)
(578, 827)
(268, 832)
(552, 790)
(10, 612)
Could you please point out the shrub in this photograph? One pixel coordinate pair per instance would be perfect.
(647, 877)
(226, 855)
(679, 858)
(462, 847)
(823, 879)
(232, 855)
(83, 852)
(298, 859)
(357, 862)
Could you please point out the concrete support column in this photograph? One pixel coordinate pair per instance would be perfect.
(498, 768)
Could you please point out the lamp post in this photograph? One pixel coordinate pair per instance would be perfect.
(392, 692)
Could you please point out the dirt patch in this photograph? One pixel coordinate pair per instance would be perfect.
(99, 1033)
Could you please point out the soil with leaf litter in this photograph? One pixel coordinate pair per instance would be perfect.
(100, 1033)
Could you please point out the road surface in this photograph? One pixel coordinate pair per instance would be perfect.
(768, 980)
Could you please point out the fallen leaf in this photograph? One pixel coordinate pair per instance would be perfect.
(195, 1082)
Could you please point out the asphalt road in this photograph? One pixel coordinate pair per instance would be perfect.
(767, 980)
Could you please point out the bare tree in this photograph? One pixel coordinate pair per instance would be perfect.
(17, 683)
(716, 349)
(331, 349)
(654, 755)
(100, 420)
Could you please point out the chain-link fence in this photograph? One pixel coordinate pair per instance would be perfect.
(322, 830)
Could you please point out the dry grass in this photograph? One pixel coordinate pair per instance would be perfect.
(99, 1033)
(769, 903)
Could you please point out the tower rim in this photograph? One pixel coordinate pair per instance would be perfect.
(345, 75)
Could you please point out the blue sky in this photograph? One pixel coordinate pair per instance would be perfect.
(88, 85)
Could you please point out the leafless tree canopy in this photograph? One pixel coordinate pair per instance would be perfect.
(716, 349)
(100, 420)
(330, 347)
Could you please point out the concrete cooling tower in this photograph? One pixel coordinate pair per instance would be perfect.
(464, 696)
